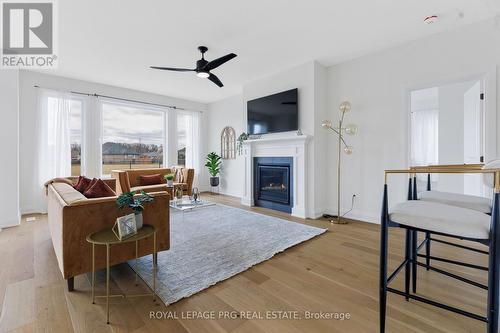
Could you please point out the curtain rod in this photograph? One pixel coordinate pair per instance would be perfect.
(121, 99)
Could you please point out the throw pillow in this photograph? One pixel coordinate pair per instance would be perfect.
(178, 176)
(99, 189)
(150, 180)
(82, 184)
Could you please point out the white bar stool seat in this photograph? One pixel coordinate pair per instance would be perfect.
(441, 218)
(473, 202)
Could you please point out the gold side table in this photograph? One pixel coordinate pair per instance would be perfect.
(107, 237)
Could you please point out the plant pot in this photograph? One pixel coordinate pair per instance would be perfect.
(214, 181)
(138, 220)
(170, 183)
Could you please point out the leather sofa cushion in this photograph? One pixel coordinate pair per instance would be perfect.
(68, 193)
(145, 180)
(99, 189)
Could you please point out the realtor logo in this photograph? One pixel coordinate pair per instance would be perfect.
(28, 34)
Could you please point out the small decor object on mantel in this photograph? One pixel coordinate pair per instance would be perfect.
(125, 227)
(170, 179)
(243, 136)
(134, 201)
(350, 129)
(213, 164)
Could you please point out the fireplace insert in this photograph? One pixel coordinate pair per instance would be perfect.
(273, 183)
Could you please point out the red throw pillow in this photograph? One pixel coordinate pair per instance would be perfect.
(99, 189)
(150, 180)
(82, 184)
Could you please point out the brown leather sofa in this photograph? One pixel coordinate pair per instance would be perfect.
(72, 217)
(128, 180)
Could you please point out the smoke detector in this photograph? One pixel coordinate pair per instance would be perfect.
(431, 19)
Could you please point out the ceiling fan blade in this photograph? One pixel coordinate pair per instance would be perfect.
(215, 80)
(173, 69)
(217, 62)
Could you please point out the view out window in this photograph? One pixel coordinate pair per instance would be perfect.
(183, 121)
(75, 134)
(133, 137)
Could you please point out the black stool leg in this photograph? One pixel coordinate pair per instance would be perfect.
(493, 272)
(384, 234)
(427, 250)
(414, 257)
(408, 257)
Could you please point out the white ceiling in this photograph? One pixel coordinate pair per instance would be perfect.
(114, 42)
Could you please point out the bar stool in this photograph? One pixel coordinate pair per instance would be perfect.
(445, 220)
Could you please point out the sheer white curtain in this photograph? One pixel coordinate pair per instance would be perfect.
(424, 137)
(54, 146)
(193, 142)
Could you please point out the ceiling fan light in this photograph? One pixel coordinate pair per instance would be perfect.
(202, 75)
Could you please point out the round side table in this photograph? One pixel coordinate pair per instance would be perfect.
(107, 238)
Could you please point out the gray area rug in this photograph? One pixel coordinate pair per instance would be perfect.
(211, 244)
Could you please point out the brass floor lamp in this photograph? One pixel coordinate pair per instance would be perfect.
(350, 129)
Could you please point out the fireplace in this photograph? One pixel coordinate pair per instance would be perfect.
(273, 183)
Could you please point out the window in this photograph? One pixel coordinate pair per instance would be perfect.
(133, 136)
(75, 133)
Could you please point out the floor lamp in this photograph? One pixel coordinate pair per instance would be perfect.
(350, 129)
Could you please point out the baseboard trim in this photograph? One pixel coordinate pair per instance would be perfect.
(358, 215)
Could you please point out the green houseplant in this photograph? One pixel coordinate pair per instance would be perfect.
(213, 164)
(136, 202)
(170, 179)
(243, 136)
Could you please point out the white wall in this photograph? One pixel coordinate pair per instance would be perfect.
(28, 106)
(451, 133)
(377, 86)
(9, 146)
(227, 112)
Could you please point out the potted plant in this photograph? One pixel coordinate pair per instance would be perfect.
(239, 147)
(135, 202)
(170, 179)
(213, 165)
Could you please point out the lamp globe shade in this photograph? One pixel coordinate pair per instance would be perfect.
(326, 124)
(345, 107)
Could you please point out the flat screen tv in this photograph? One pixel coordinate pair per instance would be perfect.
(274, 113)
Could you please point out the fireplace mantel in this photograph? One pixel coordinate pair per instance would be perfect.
(280, 146)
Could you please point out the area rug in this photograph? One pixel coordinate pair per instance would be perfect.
(211, 244)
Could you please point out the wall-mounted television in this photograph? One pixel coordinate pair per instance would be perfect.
(273, 113)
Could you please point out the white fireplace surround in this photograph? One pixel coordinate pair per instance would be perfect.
(287, 146)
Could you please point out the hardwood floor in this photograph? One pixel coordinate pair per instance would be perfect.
(334, 272)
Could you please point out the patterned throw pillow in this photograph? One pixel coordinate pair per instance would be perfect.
(178, 175)
(99, 189)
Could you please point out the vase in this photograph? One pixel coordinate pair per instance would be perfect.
(179, 193)
(214, 181)
(138, 220)
(170, 182)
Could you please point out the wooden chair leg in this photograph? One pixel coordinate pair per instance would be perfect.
(71, 283)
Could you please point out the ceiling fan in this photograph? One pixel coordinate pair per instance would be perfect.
(203, 67)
